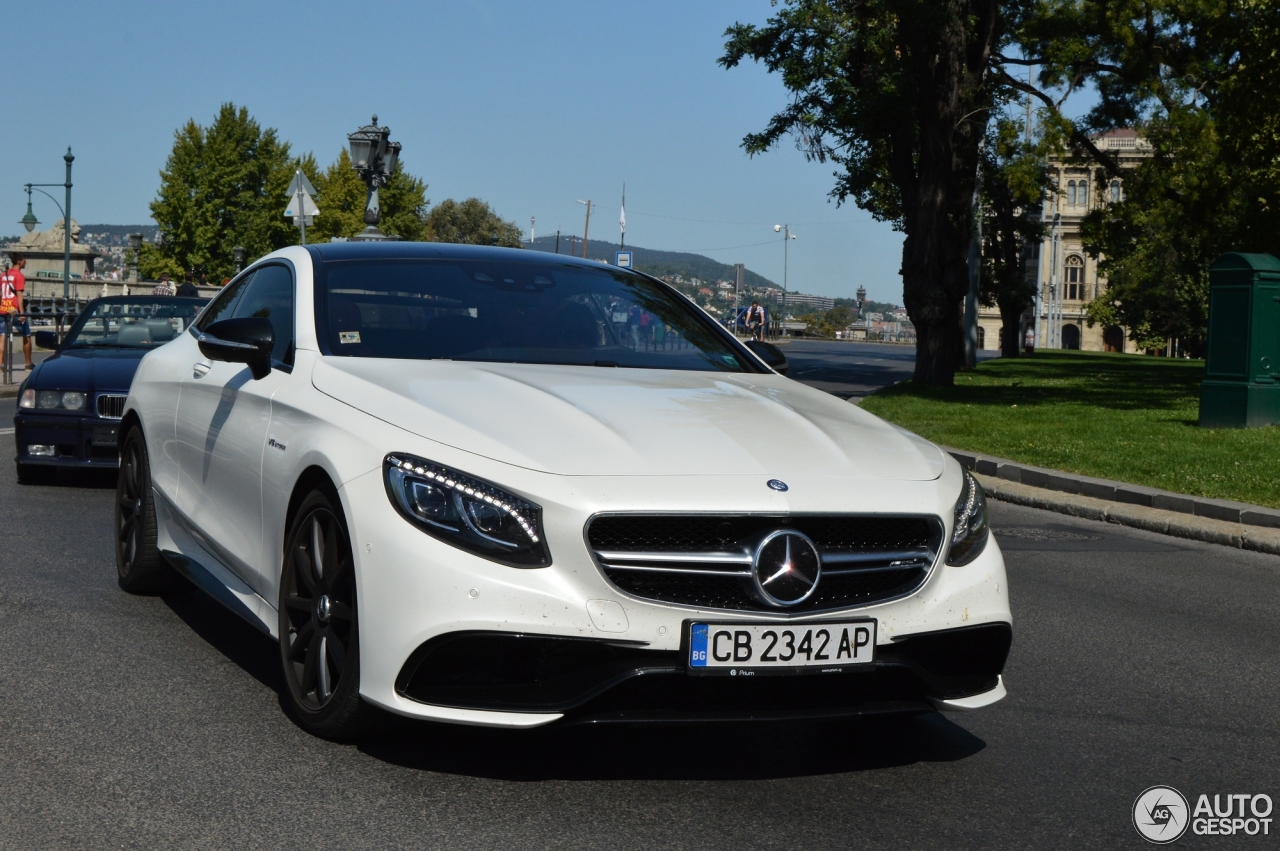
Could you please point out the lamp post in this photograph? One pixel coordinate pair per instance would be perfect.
(237, 254)
(585, 228)
(374, 159)
(29, 221)
(786, 242)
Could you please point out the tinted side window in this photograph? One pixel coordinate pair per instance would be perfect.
(224, 302)
(270, 296)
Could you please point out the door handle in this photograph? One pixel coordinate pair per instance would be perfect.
(200, 370)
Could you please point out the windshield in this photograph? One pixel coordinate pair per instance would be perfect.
(142, 322)
(537, 312)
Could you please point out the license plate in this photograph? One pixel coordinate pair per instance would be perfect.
(750, 648)
(105, 435)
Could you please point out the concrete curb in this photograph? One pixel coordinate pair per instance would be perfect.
(1161, 520)
(1111, 492)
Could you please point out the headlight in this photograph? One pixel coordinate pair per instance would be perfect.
(970, 533)
(52, 399)
(466, 512)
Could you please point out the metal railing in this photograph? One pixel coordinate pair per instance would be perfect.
(50, 310)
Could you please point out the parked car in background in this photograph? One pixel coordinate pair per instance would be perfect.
(70, 405)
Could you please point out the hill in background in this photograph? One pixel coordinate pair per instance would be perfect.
(651, 261)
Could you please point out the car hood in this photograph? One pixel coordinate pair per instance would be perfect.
(573, 420)
(87, 369)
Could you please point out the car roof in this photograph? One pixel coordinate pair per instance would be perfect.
(332, 252)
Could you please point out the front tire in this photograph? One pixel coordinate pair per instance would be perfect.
(319, 634)
(139, 565)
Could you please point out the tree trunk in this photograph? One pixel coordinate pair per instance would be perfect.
(1010, 335)
(952, 113)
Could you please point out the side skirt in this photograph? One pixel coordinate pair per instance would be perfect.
(224, 587)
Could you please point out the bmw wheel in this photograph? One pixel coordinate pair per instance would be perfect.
(138, 561)
(319, 637)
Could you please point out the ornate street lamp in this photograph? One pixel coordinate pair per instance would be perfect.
(374, 159)
(29, 221)
(862, 298)
(237, 254)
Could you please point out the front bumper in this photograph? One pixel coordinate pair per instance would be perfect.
(594, 681)
(418, 596)
(87, 441)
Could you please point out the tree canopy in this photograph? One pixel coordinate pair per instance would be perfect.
(472, 222)
(898, 93)
(222, 186)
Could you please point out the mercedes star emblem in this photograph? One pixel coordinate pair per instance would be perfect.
(786, 568)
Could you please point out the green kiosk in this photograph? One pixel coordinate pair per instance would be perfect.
(1241, 387)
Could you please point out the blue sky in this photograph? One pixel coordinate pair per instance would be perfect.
(528, 106)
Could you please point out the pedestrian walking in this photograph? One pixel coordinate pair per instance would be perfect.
(755, 320)
(633, 322)
(164, 287)
(187, 289)
(13, 306)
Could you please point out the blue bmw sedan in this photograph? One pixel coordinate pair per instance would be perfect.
(70, 405)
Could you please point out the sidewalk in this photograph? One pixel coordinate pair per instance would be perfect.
(1216, 521)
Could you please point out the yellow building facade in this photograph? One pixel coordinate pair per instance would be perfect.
(1069, 272)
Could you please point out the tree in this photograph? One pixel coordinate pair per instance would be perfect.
(1013, 180)
(897, 93)
(222, 186)
(472, 222)
(342, 196)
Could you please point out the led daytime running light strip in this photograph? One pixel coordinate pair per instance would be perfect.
(443, 477)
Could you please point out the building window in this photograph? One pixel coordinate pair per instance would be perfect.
(1082, 193)
(1117, 194)
(1075, 278)
(1071, 193)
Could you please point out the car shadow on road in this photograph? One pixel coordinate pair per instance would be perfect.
(702, 752)
(222, 630)
(613, 752)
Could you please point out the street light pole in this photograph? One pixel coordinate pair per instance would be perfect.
(66, 228)
(786, 244)
(586, 227)
(29, 221)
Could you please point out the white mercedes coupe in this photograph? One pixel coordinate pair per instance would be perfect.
(510, 488)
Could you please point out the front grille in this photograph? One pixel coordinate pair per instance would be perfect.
(111, 407)
(706, 560)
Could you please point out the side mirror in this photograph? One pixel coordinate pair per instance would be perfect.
(47, 339)
(770, 354)
(247, 340)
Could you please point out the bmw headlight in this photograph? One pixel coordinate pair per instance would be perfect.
(52, 400)
(970, 533)
(466, 512)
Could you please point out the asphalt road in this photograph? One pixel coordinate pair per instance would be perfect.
(147, 722)
(852, 370)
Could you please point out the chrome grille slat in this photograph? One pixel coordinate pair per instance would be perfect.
(705, 560)
(111, 405)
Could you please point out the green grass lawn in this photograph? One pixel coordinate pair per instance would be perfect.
(1124, 417)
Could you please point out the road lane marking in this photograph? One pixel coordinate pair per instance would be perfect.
(6, 431)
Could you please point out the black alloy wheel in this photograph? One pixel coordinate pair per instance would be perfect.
(318, 630)
(140, 568)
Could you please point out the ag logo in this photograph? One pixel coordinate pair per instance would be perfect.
(1160, 814)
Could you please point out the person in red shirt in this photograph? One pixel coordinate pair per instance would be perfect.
(13, 302)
